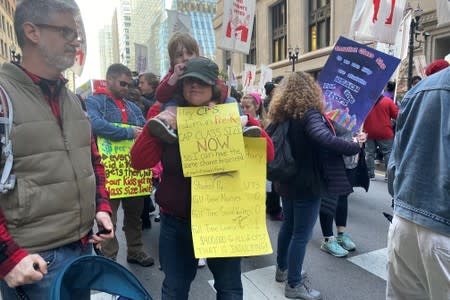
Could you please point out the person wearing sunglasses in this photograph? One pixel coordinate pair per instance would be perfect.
(107, 108)
(46, 219)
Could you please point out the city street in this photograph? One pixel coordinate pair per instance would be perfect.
(358, 277)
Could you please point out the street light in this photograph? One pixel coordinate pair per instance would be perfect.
(413, 33)
(293, 56)
(15, 57)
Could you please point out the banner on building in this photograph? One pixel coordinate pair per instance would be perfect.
(122, 181)
(265, 76)
(352, 80)
(248, 77)
(237, 26)
(228, 209)
(141, 58)
(443, 12)
(80, 57)
(377, 20)
(178, 22)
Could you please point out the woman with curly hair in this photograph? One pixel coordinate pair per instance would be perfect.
(318, 155)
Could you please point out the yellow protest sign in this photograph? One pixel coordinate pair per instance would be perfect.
(121, 179)
(210, 139)
(228, 209)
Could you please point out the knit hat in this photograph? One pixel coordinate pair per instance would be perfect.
(436, 66)
(201, 68)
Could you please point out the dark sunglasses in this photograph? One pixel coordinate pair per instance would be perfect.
(125, 84)
(67, 33)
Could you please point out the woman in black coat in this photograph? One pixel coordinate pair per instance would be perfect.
(318, 155)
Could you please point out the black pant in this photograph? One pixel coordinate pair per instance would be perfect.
(273, 206)
(326, 220)
(145, 216)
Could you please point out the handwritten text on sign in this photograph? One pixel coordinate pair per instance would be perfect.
(121, 179)
(228, 209)
(210, 139)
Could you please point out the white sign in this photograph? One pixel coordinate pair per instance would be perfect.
(266, 76)
(248, 77)
(443, 11)
(141, 59)
(80, 57)
(237, 26)
(377, 20)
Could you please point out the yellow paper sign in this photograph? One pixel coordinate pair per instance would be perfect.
(228, 209)
(121, 179)
(210, 139)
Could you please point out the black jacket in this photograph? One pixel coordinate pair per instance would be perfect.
(318, 154)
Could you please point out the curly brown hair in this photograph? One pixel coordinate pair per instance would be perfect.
(294, 96)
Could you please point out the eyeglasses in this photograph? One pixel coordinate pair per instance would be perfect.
(68, 33)
(125, 84)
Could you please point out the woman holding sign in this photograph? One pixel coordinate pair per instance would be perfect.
(320, 168)
(196, 89)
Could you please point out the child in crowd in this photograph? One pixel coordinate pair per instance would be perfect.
(253, 106)
(182, 47)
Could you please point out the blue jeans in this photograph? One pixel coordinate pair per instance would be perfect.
(176, 254)
(57, 259)
(300, 215)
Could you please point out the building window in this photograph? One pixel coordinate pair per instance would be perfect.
(279, 31)
(251, 57)
(319, 24)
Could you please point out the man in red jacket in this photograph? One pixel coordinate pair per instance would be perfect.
(378, 127)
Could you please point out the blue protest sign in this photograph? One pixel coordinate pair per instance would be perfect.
(352, 80)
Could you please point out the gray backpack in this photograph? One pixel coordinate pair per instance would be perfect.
(7, 180)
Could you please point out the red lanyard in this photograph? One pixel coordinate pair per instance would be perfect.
(121, 106)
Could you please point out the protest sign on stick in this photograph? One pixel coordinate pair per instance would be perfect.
(352, 80)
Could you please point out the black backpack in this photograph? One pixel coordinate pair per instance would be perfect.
(283, 166)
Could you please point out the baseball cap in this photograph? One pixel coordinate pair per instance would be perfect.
(201, 68)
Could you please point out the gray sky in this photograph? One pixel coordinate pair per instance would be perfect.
(95, 13)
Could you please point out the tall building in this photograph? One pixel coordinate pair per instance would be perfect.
(123, 26)
(200, 14)
(314, 26)
(105, 47)
(8, 41)
(143, 14)
(115, 37)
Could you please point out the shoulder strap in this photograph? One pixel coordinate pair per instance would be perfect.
(7, 180)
